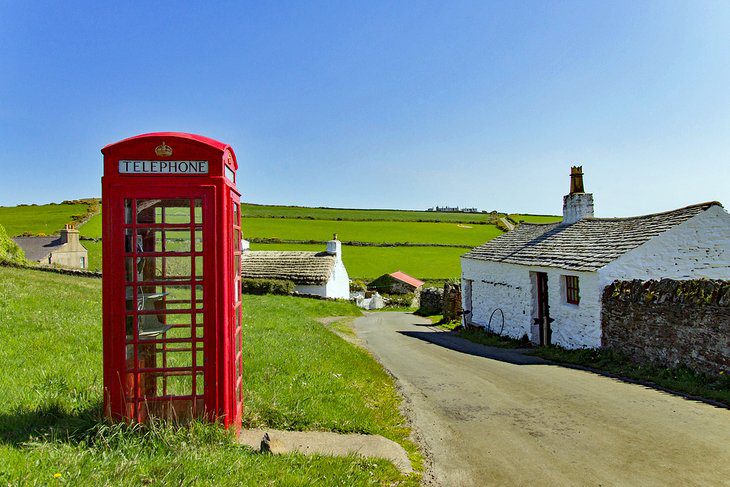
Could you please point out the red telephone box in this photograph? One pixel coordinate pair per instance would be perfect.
(171, 279)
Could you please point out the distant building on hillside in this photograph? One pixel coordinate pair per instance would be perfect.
(64, 250)
(396, 283)
(453, 209)
(318, 273)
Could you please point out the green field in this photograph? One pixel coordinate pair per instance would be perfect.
(370, 231)
(369, 262)
(266, 211)
(47, 219)
(535, 218)
(298, 375)
(92, 228)
(94, 249)
(291, 224)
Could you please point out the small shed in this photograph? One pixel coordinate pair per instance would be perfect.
(64, 250)
(396, 283)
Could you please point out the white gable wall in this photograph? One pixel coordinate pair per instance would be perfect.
(697, 248)
(511, 288)
(338, 285)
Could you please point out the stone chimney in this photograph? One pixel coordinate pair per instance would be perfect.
(334, 247)
(70, 235)
(577, 204)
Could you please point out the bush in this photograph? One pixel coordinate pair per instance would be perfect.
(358, 285)
(9, 250)
(399, 300)
(267, 286)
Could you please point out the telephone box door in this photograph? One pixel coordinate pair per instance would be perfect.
(165, 302)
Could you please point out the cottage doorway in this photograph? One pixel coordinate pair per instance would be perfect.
(467, 302)
(542, 318)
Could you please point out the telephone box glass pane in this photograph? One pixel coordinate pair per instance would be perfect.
(164, 303)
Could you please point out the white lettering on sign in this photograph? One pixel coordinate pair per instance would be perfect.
(163, 167)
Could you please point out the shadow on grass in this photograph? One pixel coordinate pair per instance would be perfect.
(50, 422)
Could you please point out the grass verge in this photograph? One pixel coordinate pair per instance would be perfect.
(298, 376)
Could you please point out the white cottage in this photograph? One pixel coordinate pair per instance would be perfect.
(547, 280)
(318, 273)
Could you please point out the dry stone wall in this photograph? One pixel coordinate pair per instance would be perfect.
(432, 301)
(670, 322)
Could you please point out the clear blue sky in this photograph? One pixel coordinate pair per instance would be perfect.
(380, 104)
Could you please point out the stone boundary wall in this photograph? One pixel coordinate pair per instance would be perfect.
(669, 323)
(57, 270)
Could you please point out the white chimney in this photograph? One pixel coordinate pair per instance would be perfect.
(245, 245)
(334, 247)
(578, 204)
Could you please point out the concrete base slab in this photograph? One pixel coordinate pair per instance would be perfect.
(328, 443)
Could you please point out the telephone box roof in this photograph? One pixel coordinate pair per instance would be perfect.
(216, 144)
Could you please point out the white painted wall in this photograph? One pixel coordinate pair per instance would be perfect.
(511, 288)
(315, 289)
(338, 285)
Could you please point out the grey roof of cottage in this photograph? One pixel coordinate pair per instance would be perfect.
(38, 248)
(586, 245)
(298, 266)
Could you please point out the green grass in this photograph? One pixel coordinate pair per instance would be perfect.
(376, 231)
(92, 228)
(370, 262)
(258, 211)
(535, 218)
(94, 249)
(482, 337)
(297, 375)
(48, 219)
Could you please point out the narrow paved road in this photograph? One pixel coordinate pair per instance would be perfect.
(497, 417)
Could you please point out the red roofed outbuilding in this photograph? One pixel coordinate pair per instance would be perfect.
(396, 283)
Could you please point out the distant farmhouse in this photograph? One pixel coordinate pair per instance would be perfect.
(317, 273)
(547, 280)
(396, 283)
(64, 250)
(453, 209)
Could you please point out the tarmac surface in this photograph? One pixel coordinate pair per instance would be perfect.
(491, 416)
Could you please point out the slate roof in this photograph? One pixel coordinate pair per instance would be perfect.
(298, 266)
(586, 245)
(38, 248)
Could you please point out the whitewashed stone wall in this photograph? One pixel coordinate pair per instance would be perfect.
(316, 290)
(511, 288)
(697, 248)
(495, 285)
(339, 284)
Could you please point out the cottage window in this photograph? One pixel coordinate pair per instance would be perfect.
(572, 290)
